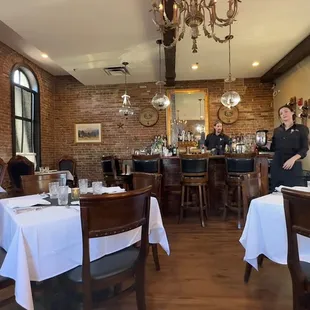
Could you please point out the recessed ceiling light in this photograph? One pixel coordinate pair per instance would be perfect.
(255, 64)
(44, 55)
(195, 66)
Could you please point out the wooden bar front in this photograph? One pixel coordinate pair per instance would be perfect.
(171, 188)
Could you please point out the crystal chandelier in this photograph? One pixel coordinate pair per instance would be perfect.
(126, 109)
(179, 121)
(230, 98)
(160, 101)
(192, 13)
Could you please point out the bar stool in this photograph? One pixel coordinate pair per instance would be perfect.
(194, 174)
(112, 173)
(237, 165)
(146, 163)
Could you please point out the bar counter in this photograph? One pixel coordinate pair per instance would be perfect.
(171, 188)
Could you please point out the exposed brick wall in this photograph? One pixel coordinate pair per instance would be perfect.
(9, 58)
(75, 103)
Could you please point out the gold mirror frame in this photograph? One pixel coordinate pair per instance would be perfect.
(187, 91)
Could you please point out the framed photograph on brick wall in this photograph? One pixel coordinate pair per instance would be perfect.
(88, 133)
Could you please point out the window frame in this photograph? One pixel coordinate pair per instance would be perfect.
(34, 89)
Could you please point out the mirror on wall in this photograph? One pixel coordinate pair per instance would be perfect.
(187, 117)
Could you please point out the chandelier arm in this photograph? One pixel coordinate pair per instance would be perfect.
(233, 5)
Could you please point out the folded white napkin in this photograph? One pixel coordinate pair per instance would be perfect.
(296, 188)
(112, 190)
(24, 201)
(109, 190)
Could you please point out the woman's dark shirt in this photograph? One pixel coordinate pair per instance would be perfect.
(213, 141)
(288, 143)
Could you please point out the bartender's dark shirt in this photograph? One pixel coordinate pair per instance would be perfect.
(213, 141)
(287, 143)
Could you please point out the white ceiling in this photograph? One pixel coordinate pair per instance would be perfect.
(83, 36)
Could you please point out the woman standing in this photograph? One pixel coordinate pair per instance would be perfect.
(217, 139)
(289, 144)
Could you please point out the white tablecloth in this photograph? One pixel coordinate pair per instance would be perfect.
(265, 231)
(69, 174)
(2, 190)
(45, 243)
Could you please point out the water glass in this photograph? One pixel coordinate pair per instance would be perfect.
(63, 195)
(53, 189)
(63, 179)
(75, 193)
(83, 185)
(46, 169)
(97, 188)
(308, 183)
(41, 169)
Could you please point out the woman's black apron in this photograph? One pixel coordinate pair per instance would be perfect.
(280, 176)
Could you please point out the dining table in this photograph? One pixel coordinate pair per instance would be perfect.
(67, 172)
(46, 241)
(265, 231)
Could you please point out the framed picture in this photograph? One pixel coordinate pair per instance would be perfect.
(88, 133)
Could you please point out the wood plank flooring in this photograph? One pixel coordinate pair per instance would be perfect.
(205, 271)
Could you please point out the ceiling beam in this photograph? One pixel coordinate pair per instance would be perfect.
(170, 53)
(300, 52)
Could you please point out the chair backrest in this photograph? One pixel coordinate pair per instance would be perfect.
(142, 179)
(251, 188)
(297, 215)
(146, 163)
(194, 165)
(37, 184)
(18, 166)
(3, 168)
(106, 215)
(110, 165)
(240, 163)
(67, 163)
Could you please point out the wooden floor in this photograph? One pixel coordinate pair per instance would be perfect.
(205, 271)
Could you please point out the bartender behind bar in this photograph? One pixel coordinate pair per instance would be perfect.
(217, 140)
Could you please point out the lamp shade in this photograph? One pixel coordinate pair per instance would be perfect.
(230, 99)
(160, 102)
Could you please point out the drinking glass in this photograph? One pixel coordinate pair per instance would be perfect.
(46, 169)
(41, 169)
(97, 188)
(53, 189)
(63, 179)
(308, 183)
(62, 195)
(83, 185)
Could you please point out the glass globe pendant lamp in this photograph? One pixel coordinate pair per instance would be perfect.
(230, 98)
(160, 101)
(126, 109)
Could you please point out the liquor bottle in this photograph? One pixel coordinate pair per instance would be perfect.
(174, 150)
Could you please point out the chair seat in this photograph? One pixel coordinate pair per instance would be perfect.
(194, 181)
(108, 265)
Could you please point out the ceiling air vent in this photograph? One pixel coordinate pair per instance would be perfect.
(116, 71)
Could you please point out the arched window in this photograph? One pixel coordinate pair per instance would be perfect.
(26, 113)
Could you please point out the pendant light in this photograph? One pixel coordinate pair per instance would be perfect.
(160, 101)
(126, 109)
(230, 98)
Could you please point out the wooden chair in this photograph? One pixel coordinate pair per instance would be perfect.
(142, 180)
(237, 165)
(5, 282)
(194, 174)
(18, 166)
(3, 168)
(107, 215)
(68, 163)
(37, 184)
(251, 189)
(297, 214)
(112, 173)
(146, 163)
